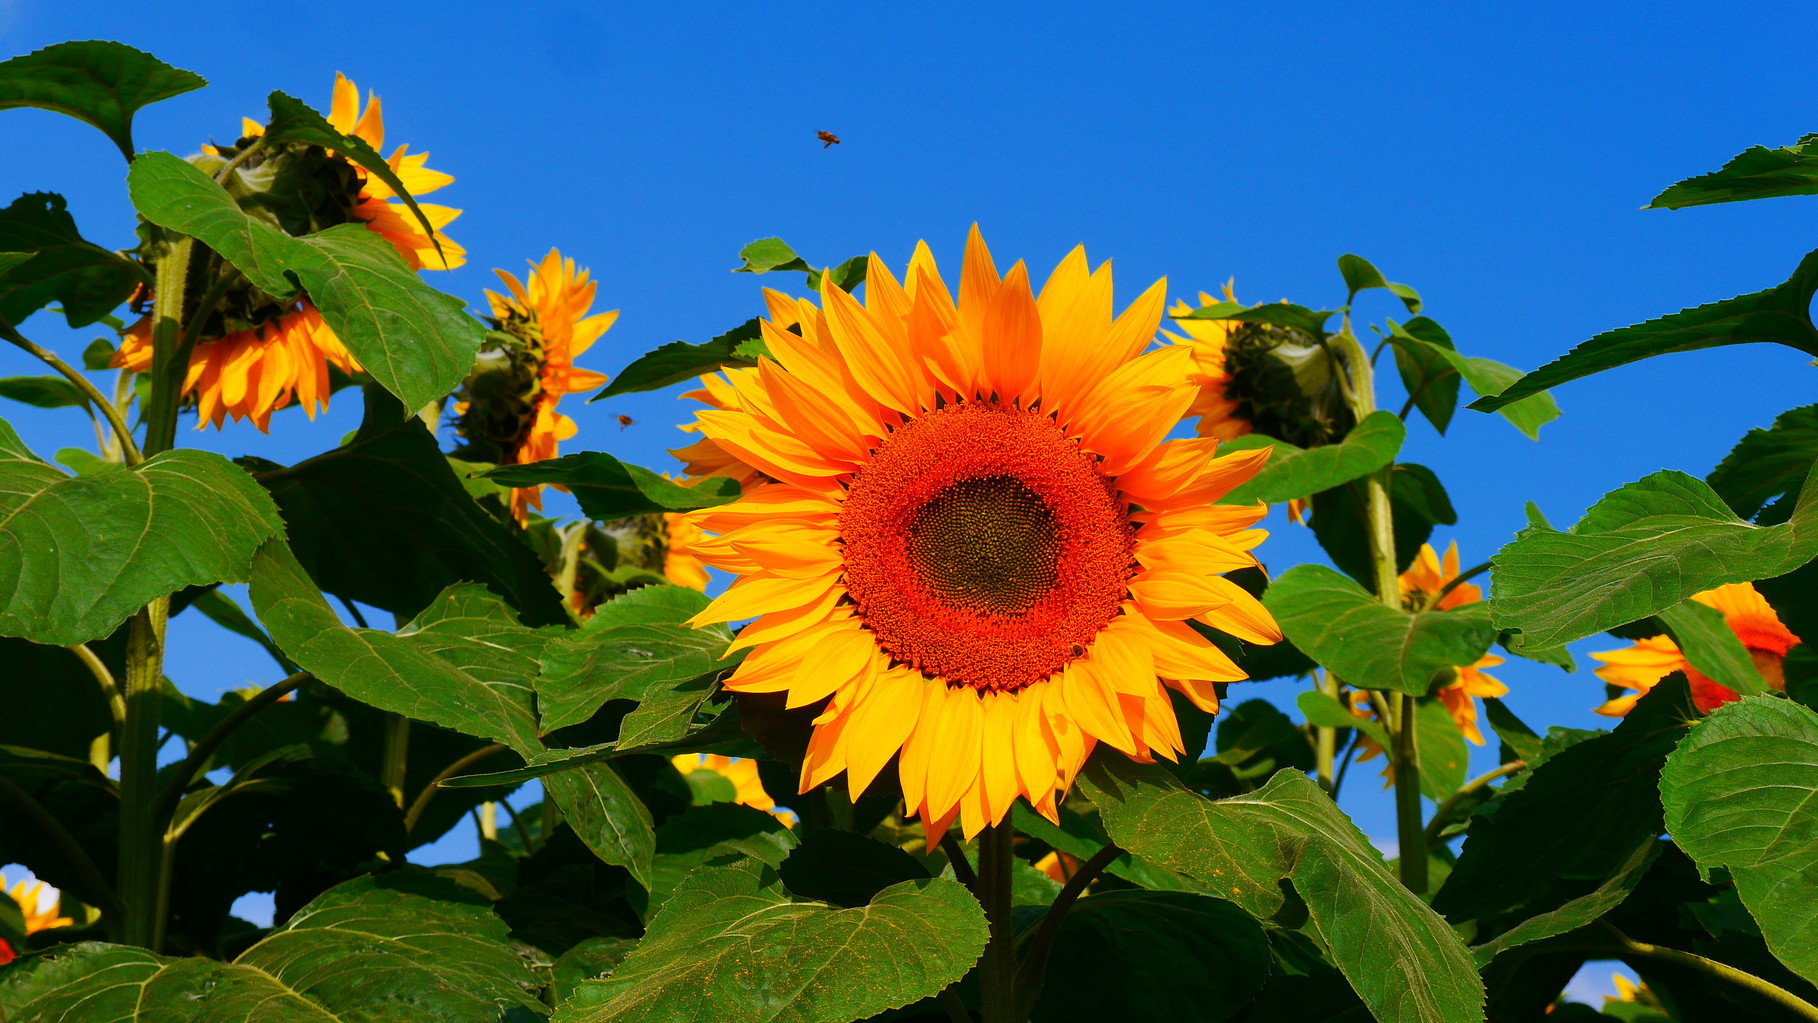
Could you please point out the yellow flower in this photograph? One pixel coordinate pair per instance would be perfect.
(1644, 663)
(1426, 577)
(510, 402)
(680, 563)
(41, 904)
(267, 353)
(974, 543)
(1207, 339)
(742, 773)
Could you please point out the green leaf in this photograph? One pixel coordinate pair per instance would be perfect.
(1517, 853)
(610, 489)
(1781, 314)
(767, 254)
(1577, 912)
(1400, 957)
(101, 82)
(292, 120)
(1755, 173)
(1359, 274)
(1324, 711)
(1517, 738)
(384, 520)
(1766, 464)
(49, 701)
(1443, 756)
(1153, 956)
(1741, 792)
(845, 868)
(1637, 552)
(1417, 501)
(731, 946)
(1422, 347)
(635, 644)
(415, 341)
(43, 392)
(465, 663)
(1369, 644)
(607, 815)
(678, 361)
(1712, 647)
(59, 266)
(79, 554)
(716, 834)
(847, 276)
(1293, 472)
(1284, 314)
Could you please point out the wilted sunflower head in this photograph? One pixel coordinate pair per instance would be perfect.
(1286, 384)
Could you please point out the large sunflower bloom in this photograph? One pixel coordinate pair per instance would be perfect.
(546, 316)
(974, 544)
(1426, 577)
(252, 371)
(1647, 661)
(1206, 339)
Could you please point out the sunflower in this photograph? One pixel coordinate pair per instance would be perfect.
(1427, 576)
(507, 409)
(261, 353)
(742, 774)
(680, 563)
(1653, 658)
(41, 904)
(1207, 339)
(972, 541)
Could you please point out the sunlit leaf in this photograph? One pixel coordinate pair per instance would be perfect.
(731, 946)
(1283, 314)
(1712, 647)
(1755, 173)
(1780, 314)
(1766, 464)
(43, 392)
(1637, 552)
(1293, 472)
(1741, 792)
(1360, 274)
(607, 815)
(610, 489)
(1402, 959)
(1423, 351)
(417, 342)
(632, 645)
(718, 833)
(1367, 643)
(79, 554)
(678, 361)
(94, 80)
(61, 266)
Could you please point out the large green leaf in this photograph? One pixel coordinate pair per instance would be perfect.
(1143, 955)
(1431, 367)
(731, 946)
(1293, 472)
(79, 554)
(1741, 792)
(1577, 912)
(1712, 647)
(1400, 957)
(417, 342)
(717, 833)
(1367, 643)
(396, 947)
(1755, 173)
(607, 815)
(610, 489)
(292, 120)
(633, 645)
(94, 80)
(1637, 552)
(1417, 501)
(384, 520)
(1781, 314)
(61, 266)
(1518, 857)
(465, 663)
(678, 361)
(1766, 464)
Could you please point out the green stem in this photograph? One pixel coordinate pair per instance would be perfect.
(184, 773)
(1712, 968)
(997, 969)
(1443, 814)
(421, 803)
(1409, 833)
(116, 703)
(396, 757)
(1325, 739)
(1034, 968)
(170, 354)
(94, 395)
(141, 836)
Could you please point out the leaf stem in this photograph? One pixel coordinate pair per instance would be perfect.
(1034, 968)
(949, 1000)
(127, 445)
(957, 856)
(395, 759)
(109, 688)
(421, 803)
(185, 772)
(1454, 583)
(1325, 738)
(1442, 815)
(1711, 967)
(141, 841)
(97, 890)
(997, 968)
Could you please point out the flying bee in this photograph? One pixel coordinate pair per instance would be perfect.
(827, 137)
(624, 420)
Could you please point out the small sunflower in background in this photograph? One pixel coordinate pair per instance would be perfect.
(1641, 665)
(1207, 340)
(506, 411)
(40, 904)
(1424, 579)
(970, 536)
(258, 353)
(712, 776)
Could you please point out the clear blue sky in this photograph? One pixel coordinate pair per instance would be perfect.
(1493, 158)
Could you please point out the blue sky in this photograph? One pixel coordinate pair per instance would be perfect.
(1493, 158)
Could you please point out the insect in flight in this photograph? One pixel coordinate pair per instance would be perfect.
(624, 421)
(827, 137)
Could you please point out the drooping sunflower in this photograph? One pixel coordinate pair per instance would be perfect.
(1428, 575)
(259, 354)
(507, 408)
(971, 538)
(1644, 663)
(741, 773)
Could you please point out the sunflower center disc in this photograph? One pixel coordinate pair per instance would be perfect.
(982, 546)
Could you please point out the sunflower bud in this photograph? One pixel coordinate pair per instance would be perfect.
(1286, 384)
